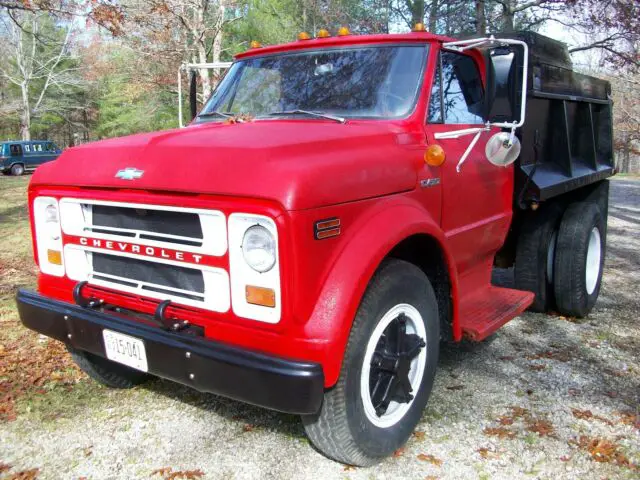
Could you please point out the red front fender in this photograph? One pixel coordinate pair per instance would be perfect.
(365, 247)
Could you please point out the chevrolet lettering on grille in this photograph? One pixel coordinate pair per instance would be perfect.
(144, 250)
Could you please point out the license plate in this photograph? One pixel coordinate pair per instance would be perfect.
(125, 349)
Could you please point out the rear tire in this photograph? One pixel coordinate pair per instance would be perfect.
(105, 371)
(17, 169)
(359, 423)
(535, 256)
(579, 259)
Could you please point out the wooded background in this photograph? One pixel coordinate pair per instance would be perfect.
(80, 70)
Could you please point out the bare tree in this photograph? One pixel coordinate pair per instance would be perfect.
(35, 67)
(182, 30)
(626, 97)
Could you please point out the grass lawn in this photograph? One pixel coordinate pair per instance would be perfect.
(29, 364)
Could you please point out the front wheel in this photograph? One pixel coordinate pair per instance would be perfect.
(387, 371)
(106, 372)
(17, 169)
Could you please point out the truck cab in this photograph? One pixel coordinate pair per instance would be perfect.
(333, 213)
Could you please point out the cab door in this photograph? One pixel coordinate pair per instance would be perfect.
(477, 200)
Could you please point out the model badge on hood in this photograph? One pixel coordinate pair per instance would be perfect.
(129, 173)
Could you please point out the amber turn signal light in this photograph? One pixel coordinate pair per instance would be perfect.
(419, 27)
(323, 33)
(434, 156)
(304, 36)
(343, 31)
(264, 297)
(54, 257)
(255, 44)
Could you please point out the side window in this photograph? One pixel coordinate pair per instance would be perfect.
(27, 148)
(457, 95)
(16, 150)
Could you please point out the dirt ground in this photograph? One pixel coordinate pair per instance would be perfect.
(547, 397)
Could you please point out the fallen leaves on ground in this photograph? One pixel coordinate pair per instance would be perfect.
(419, 434)
(541, 426)
(630, 418)
(537, 368)
(603, 451)
(31, 474)
(399, 452)
(588, 415)
(4, 467)
(487, 453)
(455, 387)
(26, 366)
(430, 458)
(167, 473)
(248, 427)
(348, 468)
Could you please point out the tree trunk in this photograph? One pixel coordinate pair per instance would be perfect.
(217, 40)
(508, 21)
(626, 155)
(433, 15)
(481, 19)
(205, 78)
(417, 11)
(25, 114)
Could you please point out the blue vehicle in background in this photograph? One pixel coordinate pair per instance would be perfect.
(21, 156)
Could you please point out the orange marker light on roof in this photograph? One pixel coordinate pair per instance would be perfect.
(323, 33)
(255, 44)
(304, 36)
(343, 31)
(434, 155)
(419, 27)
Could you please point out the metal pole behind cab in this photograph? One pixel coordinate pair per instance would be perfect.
(193, 94)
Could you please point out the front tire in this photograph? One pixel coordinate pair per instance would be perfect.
(579, 259)
(105, 371)
(387, 371)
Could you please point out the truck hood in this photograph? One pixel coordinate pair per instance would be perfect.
(300, 164)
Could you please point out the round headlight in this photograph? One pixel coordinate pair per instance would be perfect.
(259, 248)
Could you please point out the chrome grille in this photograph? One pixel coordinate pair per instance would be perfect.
(187, 232)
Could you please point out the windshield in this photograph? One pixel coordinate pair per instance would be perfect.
(364, 82)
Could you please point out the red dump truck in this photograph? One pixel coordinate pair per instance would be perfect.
(330, 216)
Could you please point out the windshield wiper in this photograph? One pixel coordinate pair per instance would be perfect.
(298, 111)
(215, 113)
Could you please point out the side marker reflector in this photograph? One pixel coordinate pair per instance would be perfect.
(265, 297)
(327, 228)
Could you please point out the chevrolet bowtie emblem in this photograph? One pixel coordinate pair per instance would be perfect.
(129, 173)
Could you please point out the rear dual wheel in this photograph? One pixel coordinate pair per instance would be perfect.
(560, 256)
(579, 259)
(387, 371)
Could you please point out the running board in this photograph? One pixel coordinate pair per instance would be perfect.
(486, 310)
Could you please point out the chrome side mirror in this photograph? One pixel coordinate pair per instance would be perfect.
(502, 149)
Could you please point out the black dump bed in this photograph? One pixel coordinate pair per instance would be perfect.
(567, 138)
